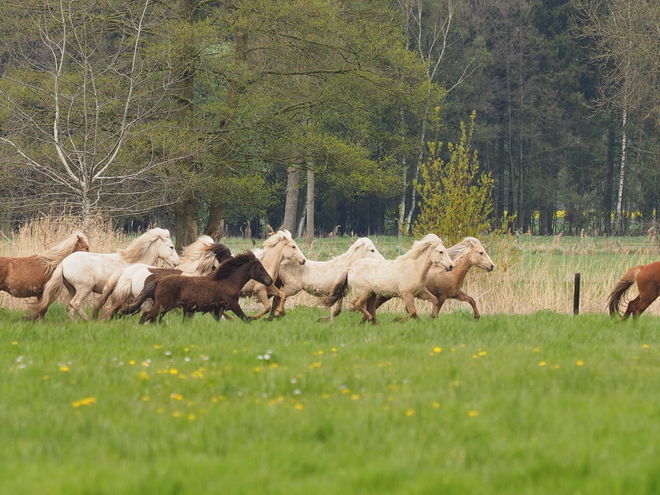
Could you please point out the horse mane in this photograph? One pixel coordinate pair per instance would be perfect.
(429, 241)
(54, 255)
(354, 247)
(276, 238)
(459, 249)
(230, 265)
(196, 258)
(137, 249)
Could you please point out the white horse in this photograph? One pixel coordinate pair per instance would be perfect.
(403, 277)
(126, 284)
(466, 254)
(318, 277)
(278, 247)
(83, 273)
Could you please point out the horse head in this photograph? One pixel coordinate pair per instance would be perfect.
(82, 244)
(167, 253)
(259, 273)
(290, 250)
(370, 251)
(478, 255)
(441, 257)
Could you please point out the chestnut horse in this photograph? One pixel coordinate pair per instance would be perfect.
(26, 276)
(213, 293)
(648, 286)
(126, 284)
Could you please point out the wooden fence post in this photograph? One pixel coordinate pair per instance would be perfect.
(576, 295)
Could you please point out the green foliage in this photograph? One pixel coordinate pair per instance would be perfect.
(456, 198)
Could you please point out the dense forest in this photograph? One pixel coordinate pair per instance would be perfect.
(320, 116)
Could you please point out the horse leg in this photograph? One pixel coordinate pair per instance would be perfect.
(75, 304)
(409, 301)
(281, 298)
(150, 315)
(359, 304)
(238, 311)
(642, 304)
(262, 296)
(464, 297)
(631, 309)
(334, 311)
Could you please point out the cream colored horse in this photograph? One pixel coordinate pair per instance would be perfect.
(278, 247)
(126, 284)
(403, 277)
(318, 277)
(83, 273)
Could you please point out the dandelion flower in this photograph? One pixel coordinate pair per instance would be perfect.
(579, 363)
(437, 349)
(83, 402)
(64, 368)
(298, 406)
(473, 413)
(410, 412)
(542, 363)
(436, 405)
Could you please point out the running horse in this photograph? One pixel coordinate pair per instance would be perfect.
(403, 277)
(83, 273)
(126, 284)
(648, 286)
(213, 293)
(27, 276)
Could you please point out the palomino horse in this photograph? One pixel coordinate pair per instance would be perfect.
(83, 273)
(126, 284)
(26, 276)
(448, 285)
(403, 277)
(648, 286)
(318, 277)
(213, 293)
(279, 246)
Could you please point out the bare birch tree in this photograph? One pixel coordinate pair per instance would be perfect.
(84, 102)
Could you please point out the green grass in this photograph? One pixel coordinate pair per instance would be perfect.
(535, 404)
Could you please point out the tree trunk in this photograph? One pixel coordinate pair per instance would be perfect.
(185, 223)
(185, 213)
(618, 221)
(309, 235)
(215, 227)
(291, 204)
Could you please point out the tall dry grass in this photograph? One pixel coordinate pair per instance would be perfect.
(532, 274)
(40, 234)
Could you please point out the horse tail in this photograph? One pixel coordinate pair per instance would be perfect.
(50, 293)
(337, 292)
(622, 286)
(148, 290)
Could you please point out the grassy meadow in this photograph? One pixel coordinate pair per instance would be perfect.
(524, 404)
(528, 400)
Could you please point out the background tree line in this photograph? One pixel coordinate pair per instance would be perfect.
(321, 116)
